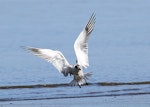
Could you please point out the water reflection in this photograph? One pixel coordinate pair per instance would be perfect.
(61, 91)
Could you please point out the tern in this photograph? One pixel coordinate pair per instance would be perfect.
(57, 59)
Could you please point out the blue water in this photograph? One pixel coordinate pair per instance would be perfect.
(119, 46)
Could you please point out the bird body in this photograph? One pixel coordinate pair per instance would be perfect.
(57, 59)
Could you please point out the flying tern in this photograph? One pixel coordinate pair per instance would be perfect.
(57, 59)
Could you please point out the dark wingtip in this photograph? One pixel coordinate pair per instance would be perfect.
(30, 49)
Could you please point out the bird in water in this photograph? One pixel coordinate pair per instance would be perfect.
(57, 59)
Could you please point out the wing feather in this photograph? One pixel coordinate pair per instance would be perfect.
(53, 56)
(81, 43)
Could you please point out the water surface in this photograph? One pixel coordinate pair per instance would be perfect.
(119, 47)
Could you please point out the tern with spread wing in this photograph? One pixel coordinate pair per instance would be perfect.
(57, 59)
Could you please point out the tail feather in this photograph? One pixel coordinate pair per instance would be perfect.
(73, 83)
(87, 75)
(82, 81)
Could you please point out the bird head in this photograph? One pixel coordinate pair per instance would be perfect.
(78, 67)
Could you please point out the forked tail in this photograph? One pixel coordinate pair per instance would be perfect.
(82, 81)
(87, 75)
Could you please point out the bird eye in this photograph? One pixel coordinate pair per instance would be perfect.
(76, 67)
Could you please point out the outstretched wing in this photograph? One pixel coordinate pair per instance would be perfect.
(53, 56)
(81, 43)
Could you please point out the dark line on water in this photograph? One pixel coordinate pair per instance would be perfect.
(34, 86)
(66, 85)
(81, 96)
(123, 83)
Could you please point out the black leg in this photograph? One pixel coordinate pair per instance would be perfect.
(86, 82)
(79, 86)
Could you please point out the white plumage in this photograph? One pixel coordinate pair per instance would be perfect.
(81, 50)
(81, 43)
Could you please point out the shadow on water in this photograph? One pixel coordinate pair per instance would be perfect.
(131, 88)
(66, 84)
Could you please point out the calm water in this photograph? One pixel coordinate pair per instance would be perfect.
(119, 47)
